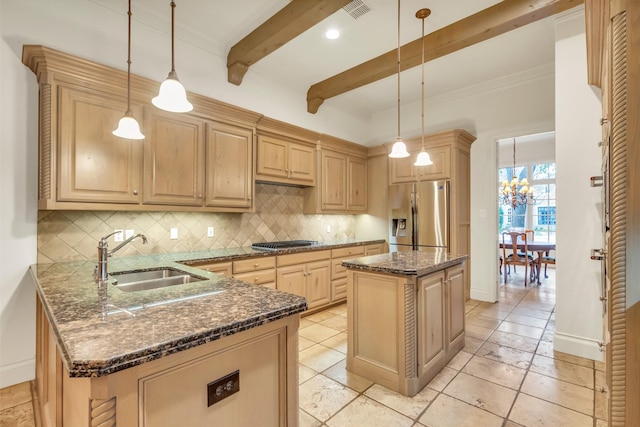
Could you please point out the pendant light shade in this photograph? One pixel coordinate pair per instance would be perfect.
(399, 149)
(128, 127)
(423, 158)
(172, 95)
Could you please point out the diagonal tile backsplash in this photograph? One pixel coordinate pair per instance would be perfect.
(74, 235)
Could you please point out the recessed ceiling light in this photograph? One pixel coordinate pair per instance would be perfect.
(332, 34)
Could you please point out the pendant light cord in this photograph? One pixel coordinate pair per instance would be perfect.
(129, 62)
(398, 69)
(173, 8)
(422, 84)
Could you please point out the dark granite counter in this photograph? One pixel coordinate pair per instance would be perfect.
(410, 263)
(102, 331)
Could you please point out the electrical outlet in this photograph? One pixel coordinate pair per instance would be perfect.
(174, 233)
(328, 228)
(128, 233)
(119, 236)
(210, 232)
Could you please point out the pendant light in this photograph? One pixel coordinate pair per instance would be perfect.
(423, 158)
(399, 148)
(128, 126)
(172, 96)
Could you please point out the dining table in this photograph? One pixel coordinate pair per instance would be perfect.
(532, 246)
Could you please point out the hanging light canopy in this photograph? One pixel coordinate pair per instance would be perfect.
(172, 96)
(516, 193)
(128, 126)
(423, 158)
(399, 148)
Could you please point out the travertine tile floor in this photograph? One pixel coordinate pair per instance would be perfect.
(506, 376)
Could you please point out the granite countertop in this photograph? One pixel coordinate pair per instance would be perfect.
(100, 331)
(409, 263)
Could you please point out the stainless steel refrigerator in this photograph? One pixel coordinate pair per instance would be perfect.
(419, 216)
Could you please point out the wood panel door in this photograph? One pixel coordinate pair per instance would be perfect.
(292, 279)
(95, 165)
(229, 173)
(357, 184)
(455, 298)
(318, 283)
(334, 181)
(302, 163)
(431, 319)
(173, 159)
(272, 157)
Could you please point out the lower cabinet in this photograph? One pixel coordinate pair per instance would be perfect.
(178, 389)
(306, 274)
(339, 273)
(258, 271)
(402, 330)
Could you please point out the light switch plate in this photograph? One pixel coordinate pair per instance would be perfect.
(210, 232)
(128, 233)
(174, 233)
(119, 236)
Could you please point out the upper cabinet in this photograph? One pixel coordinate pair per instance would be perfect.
(285, 154)
(342, 179)
(94, 165)
(173, 158)
(229, 179)
(202, 160)
(402, 170)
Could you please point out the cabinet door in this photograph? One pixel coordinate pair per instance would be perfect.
(173, 159)
(455, 280)
(431, 321)
(441, 167)
(229, 175)
(334, 181)
(292, 279)
(357, 184)
(318, 284)
(301, 163)
(374, 249)
(95, 165)
(272, 157)
(402, 170)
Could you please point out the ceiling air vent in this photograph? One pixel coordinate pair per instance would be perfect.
(357, 8)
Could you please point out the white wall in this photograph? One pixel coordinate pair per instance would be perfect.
(578, 111)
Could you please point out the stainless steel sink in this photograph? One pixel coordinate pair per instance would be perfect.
(132, 281)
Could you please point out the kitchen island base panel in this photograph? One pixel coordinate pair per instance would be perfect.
(173, 390)
(403, 329)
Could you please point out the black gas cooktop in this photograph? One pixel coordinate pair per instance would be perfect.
(285, 244)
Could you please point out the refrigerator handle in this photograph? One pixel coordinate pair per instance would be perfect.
(414, 217)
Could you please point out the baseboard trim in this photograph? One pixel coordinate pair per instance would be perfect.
(578, 346)
(17, 372)
(482, 295)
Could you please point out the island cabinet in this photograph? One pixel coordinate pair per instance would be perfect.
(178, 389)
(403, 327)
(342, 179)
(307, 274)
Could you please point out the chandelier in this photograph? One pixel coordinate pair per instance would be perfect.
(516, 193)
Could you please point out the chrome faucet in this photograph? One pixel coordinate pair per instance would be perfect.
(100, 272)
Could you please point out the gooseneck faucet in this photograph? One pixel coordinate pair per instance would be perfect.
(100, 273)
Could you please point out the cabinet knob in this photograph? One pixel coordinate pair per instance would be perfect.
(135, 192)
(199, 196)
(256, 265)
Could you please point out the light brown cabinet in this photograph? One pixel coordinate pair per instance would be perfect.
(342, 185)
(94, 165)
(173, 159)
(402, 330)
(258, 271)
(375, 249)
(339, 273)
(283, 161)
(307, 274)
(229, 166)
(403, 170)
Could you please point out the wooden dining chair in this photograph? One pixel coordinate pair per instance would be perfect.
(515, 257)
(546, 260)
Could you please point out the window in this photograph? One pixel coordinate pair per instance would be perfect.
(540, 217)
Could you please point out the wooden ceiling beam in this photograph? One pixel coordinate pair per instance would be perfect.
(493, 21)
(291, 21)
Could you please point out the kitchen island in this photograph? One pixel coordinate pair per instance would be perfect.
(406, 316)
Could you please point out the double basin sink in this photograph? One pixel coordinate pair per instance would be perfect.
(133, 281)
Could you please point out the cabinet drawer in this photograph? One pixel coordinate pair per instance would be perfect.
(303, 257)
(353, 251)
(254, 264)
(223, 268)
(338, 289)
(257, 277)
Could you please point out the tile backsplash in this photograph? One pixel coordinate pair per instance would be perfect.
(74, 235)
